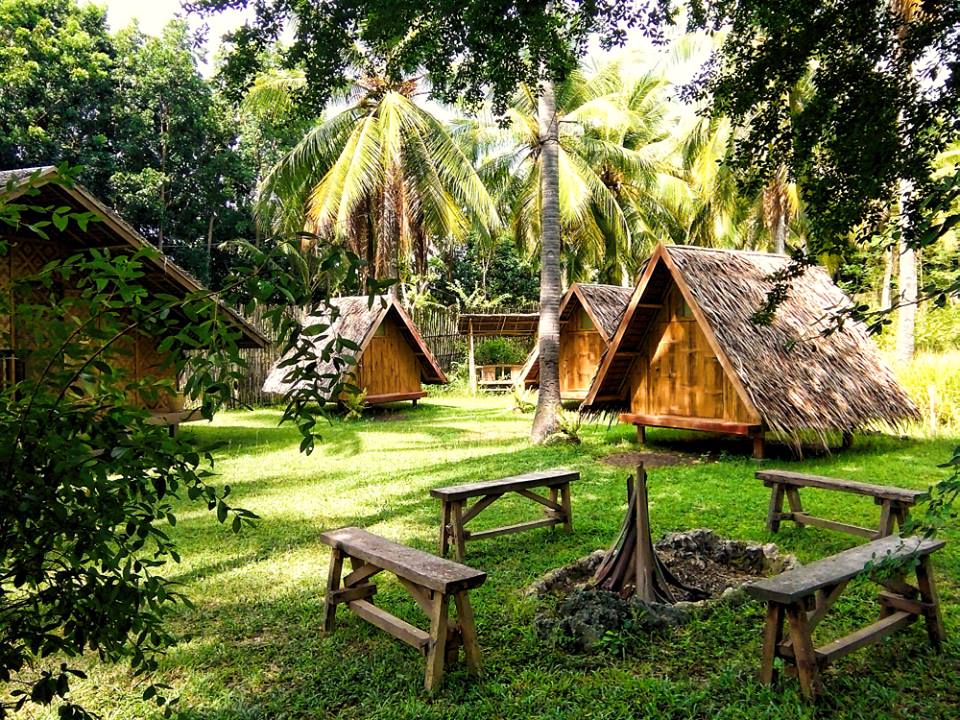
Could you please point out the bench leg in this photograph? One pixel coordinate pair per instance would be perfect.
(776, 507)
(468, 631)
(436, 654)
(456, 523)
(772, 635)
(793, 497)
(928, 593)
(333, 584)
(886, 519)
(444, 528)
(803, 653)
(565, 504)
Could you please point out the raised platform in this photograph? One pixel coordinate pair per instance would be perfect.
(681, 422)
(395, 397)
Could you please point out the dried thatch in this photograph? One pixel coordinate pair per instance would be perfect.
(354, 319)
(161, 274)
(605, 304)
(795, 377)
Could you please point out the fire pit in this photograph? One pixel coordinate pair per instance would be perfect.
(644, 586)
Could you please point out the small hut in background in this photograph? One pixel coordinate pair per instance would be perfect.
(393, 361)
(688, 354)
(140, 355)
(487, 325)
(589, 317)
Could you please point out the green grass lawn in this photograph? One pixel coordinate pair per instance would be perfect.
(253, 648)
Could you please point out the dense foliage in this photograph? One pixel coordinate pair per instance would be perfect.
(89, 480)
(152, 136)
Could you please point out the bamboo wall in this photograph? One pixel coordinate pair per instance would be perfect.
(388, 365)
(580, 349)
(677, 372)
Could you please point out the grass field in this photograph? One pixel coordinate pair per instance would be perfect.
(252, 647)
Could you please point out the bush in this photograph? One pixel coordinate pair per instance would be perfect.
(933, 381)
(501, 351)
(938, 329)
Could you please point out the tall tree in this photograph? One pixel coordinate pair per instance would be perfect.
(179, 178)
(383, 174)
(56, 75)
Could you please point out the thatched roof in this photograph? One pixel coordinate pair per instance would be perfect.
(605, 304)
(792, 375)
(356, 319)
(161, 273)
(498, 324)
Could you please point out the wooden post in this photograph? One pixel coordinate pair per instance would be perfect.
(437, 651)
(333, 584)
(468, 631)
(472, 364)
(928, 593)
(641, 434)
(565, 504)
(776, 507)
(445, 519)
(643, 557)
(772, 635)
(803, 652)
(758, 445)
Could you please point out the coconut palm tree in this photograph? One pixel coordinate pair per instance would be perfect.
(381, 174)
(611, 140)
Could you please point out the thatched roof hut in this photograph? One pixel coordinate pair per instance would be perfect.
(589, 317)
(392, 360)
(688, 354)
(140, 355)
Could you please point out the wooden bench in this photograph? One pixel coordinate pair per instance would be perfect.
(805, 594)
(455, 514)
(429, 579)
(895, 503)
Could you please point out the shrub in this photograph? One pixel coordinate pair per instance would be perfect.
(501, 351)
(933, 381)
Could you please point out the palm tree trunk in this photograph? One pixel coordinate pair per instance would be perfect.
(548, 402)
(885, 294)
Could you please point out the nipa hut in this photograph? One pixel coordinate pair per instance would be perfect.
(28, 253)
(688, 355)
(392, 363)
(589, 317)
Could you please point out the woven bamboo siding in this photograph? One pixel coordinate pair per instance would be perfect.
(580, 351)
(677, 372)
(388, 366)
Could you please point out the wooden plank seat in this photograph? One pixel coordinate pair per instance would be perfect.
(432, 581)
(895, 503)
(455, 514)
(682, 422)
(803, 596)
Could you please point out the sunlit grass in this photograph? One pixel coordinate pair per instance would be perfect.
(252, 647)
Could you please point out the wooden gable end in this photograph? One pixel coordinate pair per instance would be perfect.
(388, 365)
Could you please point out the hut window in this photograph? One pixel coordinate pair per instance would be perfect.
(685, 311)
(381, 330)
(585, 322)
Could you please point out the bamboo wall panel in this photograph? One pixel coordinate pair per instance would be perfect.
(388, 365)
(580, 352)
(677, 372)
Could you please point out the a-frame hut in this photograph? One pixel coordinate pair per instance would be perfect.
(688, 355)
(141, 356)
(393, 361)
(589, 317)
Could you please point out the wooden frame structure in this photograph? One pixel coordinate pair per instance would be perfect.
(895, 503)
(589, 317)
(475, 325)
(455, 514)
(802, 597)
(391, 364)
(28, 253)
(687, 353)
(430, 580)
